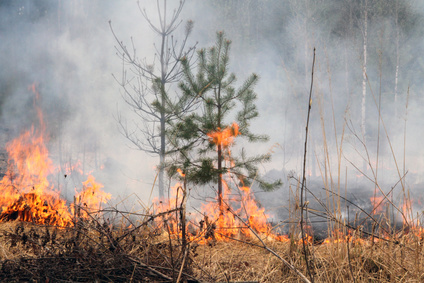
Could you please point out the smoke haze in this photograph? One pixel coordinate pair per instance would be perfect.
(68, 50)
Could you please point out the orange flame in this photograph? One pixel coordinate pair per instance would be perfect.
(180, 172)
(92, 196)
(225, 137)
(170, 205)
(242, 214)
(245, 207)
(26, 193)
(377, 204)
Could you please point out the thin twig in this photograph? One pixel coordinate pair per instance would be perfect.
(151, 218)
(182, 264)
(304, 172)
(348, 250)
(157, 273)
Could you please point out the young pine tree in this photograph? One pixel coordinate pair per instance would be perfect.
(204, 137)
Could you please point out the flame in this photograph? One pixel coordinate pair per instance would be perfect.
(180, 172)
(169, 221)
(377, 204)
(69, 168)
(407, 210)
(241, 217)
(242, 204)
(210, 224)
(224, 137)
(91, 196)
(26, 193)
(249, 216)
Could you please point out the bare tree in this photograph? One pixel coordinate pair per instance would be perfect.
(147, 86)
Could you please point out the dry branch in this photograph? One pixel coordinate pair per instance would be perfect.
(304, 172)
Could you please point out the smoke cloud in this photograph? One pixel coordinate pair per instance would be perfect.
(68, 50)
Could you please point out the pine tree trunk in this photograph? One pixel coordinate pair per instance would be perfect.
(221, 209)
(220, 181)
(161, 176)
(162, 152)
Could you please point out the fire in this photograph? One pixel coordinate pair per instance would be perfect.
(170, 221)
(241, 204)
(213, 226)
(377, 203)
(240, 215)
(180, 172)
(225, 137)
(91, 196)
(249, 215)
(26, 193)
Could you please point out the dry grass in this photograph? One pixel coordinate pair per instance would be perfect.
(236, 261)
(31, 252)
(90, 251)
(364, 261)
